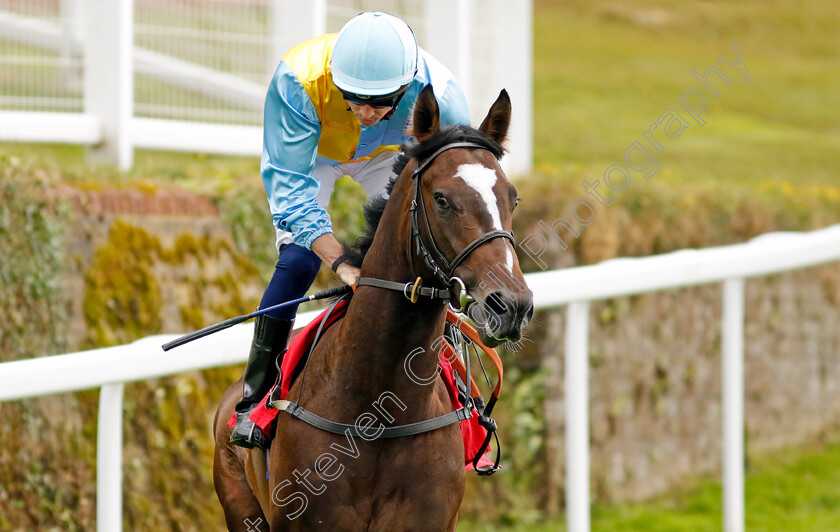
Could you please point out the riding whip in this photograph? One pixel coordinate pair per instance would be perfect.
(201, 333)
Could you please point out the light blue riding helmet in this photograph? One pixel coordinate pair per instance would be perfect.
(374, 54)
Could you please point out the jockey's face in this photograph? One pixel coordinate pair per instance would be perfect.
(368, 115)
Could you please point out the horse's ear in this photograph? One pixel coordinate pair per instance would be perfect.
(426, 120)
(497, 121)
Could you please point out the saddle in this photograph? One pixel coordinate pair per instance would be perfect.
(453, 373)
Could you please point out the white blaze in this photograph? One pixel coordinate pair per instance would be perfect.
(482, 180)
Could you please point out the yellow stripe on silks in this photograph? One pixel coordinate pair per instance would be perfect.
(376, 152)
(340, 129)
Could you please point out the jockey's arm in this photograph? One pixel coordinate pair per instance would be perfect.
(290, 144)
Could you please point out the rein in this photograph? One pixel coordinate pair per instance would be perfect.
(463, 370)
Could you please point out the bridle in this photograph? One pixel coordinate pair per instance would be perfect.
(442, 268)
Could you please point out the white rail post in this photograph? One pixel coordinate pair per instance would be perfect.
(457, 34)
(109, 78)
(447, 37)
(513, 45)
(109, 449)
(72, 20)
(293, 22)
(577, 416)
(465, 59)
(732, 366)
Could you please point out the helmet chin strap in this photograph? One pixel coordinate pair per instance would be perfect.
(390, 113)
(400, 97)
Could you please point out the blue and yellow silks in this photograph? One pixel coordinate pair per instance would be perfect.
(306, 119)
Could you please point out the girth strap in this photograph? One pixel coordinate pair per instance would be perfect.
(473, 399)
(428, 425)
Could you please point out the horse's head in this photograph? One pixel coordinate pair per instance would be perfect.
(463, 216)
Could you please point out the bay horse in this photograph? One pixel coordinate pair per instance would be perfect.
(448, 214)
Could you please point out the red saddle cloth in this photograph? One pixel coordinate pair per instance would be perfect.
(263, 415)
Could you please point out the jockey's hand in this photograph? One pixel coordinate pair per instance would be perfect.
(328, 250)
(349, 274)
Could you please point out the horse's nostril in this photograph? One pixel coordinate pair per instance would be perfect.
(495, 303)
(528, 314)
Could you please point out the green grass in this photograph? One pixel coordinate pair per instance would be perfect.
(791, 491)
(603, 73)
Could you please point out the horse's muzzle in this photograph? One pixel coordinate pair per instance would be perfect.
(503, 315)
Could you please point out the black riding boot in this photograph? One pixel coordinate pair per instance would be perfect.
(270, 338)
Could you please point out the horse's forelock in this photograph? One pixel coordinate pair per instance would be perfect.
(448, 135)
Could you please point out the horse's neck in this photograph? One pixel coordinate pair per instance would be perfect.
(382, 327)
(380, 331)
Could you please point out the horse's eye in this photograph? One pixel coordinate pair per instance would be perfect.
(441, 201)
(515, 203)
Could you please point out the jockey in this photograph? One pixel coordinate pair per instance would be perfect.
(337, 105)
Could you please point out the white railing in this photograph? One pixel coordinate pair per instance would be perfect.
(110, 368)
(127, 71)
(730, 265)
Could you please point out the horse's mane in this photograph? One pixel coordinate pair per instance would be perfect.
(374, 209)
